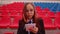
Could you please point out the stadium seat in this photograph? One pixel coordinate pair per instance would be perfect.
(57, 14)
(15, 12)
(3, 7)
(10, 6)
(46, 10)
(3, 13)
(57, 22)
(0, 7)
(8, 33)
(4, 22)
(12, 13)
(16, 5)
(14, 21)
(20, 11)
(38, 9)
(51, 14)
(42, 14)
(48, 24)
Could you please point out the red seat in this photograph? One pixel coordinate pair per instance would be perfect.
(46, 10)
(3, 13)
(48, 23)
(14, 22)
(10, 6)
(20, 11)
(3, 7)
(42, 14)
(57, 14)
(0, 7)
(14, 13)
(57, 22)
(38, 9)
(8, 33)
(4, 22)
(16, 5)
(51, 14)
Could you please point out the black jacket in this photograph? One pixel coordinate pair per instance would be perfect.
(21, 29)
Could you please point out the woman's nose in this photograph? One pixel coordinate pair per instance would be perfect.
(29, 11)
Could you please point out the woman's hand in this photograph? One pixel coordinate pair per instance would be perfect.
(34, 30)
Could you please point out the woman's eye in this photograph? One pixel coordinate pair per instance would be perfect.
(29, 10)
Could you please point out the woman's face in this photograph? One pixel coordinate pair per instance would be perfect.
(29, 11)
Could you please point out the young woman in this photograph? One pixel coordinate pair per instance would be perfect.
(29, 16)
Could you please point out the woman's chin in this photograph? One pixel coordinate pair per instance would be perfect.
(30, 18)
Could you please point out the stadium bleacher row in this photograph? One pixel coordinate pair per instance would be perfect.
(10, 15)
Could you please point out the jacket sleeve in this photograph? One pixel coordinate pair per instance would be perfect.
(41, 29)
(20, 28)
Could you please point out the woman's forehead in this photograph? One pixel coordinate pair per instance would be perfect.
(29, 6)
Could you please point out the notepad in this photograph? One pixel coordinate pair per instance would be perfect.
(27, 26)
